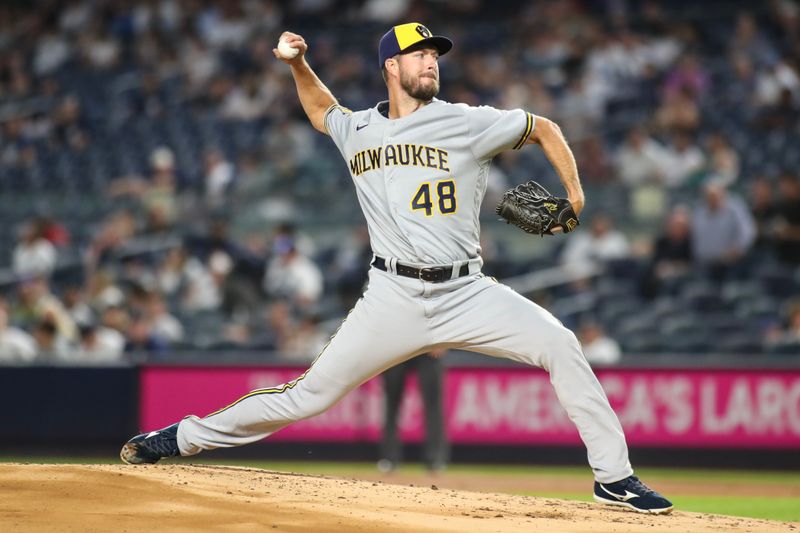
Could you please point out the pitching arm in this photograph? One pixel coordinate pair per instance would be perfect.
(315, 97)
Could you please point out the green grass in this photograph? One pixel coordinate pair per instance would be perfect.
(771, 508)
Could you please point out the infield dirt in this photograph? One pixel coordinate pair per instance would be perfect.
(196, 498)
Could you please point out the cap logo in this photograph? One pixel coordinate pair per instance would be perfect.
(425, 32)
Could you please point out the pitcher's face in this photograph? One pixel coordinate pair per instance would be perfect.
(419, 73)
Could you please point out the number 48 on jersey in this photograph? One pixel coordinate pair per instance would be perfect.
(441, 193)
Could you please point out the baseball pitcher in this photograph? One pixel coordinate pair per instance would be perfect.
(419, 166)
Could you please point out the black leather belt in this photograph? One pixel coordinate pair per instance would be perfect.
(432, 274)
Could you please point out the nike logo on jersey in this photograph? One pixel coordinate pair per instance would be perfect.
(628, 495)
(361, 126)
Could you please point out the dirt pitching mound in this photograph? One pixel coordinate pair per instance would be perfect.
(93, 498)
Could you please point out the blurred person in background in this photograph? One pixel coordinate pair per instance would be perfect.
(34, 255)
(74, 299)
(102, 291)
(165, 325)
(36, 304)
(16, 345)
(671, 258)
(641, 164)
(723, 231)
(723, 161)
(117, 318)
(219, 174)
(591, 250)
(597, 346)
(114, 233)
(430, 378)
(51, 346)
(190, 281)
(140, 336)
(684, 161)
(786, 334)
(99, 344)
(678, 113)
(292, 275)
(640, 159)
(785, 225)
(157, 194)
(763, 207)
(305, 340)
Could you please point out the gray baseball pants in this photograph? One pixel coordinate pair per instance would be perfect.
(399, 318)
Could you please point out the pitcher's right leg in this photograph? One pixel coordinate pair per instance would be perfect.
(387, 326)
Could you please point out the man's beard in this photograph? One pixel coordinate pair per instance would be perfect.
(417, 90)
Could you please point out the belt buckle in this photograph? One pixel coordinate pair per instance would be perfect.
(433, 272)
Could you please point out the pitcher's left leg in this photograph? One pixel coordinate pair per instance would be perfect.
(490, 318)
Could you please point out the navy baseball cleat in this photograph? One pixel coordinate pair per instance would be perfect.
(148, 448)
(633, 494)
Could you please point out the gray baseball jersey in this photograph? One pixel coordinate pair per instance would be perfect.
(422, 201)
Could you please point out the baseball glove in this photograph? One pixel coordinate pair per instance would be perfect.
(532, 208)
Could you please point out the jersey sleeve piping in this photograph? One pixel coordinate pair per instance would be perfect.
(328, 112)
(527, 132)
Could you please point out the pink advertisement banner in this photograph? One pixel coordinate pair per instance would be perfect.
(657, 407)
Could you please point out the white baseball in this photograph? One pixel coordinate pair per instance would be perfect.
(285, 50)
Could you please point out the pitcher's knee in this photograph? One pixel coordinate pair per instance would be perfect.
(313, 402)
(563, 344)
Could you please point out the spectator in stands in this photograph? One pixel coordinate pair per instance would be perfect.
(641, 164)
(34, 255)
(748, 39)
(54, 231)
(103, 291)
(764, 210)
(51, 346)
(779, 81)
(781, 116)
(75, 304)
(688, 77)
(292, 275)
(37, 304)
(140, 336)
(218, 177)
(156, 195)
(786, 335)
(678, 113)
(672, 257)
(189, 280)
(117, 318)
(99, 344)
(275, 330)
(723, 231)
(738, 93)
(16, 346)
(598, 347)
(785, 226)
(165, 325)
(640, 159)
(115, 232)
(684, 162)
(305, 340)
(247, 101)
(351, 264)
(590, 250)
(723, 161)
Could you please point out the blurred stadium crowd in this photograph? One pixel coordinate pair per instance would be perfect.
(162, 194)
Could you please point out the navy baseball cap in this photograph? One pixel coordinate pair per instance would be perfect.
(401, 38)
